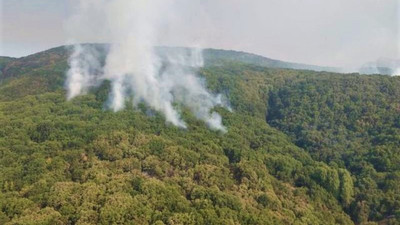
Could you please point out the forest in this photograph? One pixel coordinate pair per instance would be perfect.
(302, 147)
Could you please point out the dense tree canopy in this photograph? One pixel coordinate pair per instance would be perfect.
(302, 147)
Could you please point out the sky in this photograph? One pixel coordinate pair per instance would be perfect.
(340, 33)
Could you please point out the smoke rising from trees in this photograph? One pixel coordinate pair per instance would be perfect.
(136, 72)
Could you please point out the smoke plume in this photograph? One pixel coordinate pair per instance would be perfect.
(135, 68)
(384, 66)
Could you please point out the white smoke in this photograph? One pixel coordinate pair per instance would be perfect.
(132, 64)
(84, 70)
(383, 66)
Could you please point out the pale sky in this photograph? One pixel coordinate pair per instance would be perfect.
(342, 33)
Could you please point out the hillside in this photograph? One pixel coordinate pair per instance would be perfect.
(4, 61)
(302, 147)
(212, 57)
(218, 57)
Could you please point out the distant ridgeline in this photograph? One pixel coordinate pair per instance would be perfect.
(212, 57)
(302, 147)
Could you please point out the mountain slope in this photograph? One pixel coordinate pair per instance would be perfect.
(4, 61)
(353, 122)
(77, 163)
(211, 57)
(215, 57)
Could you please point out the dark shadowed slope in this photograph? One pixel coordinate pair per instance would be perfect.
(3, 62)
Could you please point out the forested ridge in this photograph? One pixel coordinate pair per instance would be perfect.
(302, 147)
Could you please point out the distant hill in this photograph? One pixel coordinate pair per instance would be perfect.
(212, 57)
(220, 57)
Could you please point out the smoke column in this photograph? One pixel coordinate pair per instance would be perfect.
(132, 64)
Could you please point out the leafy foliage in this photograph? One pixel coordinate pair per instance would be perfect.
(350, 121)
(333, 137)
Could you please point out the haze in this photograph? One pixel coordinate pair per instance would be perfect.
(342, 33)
